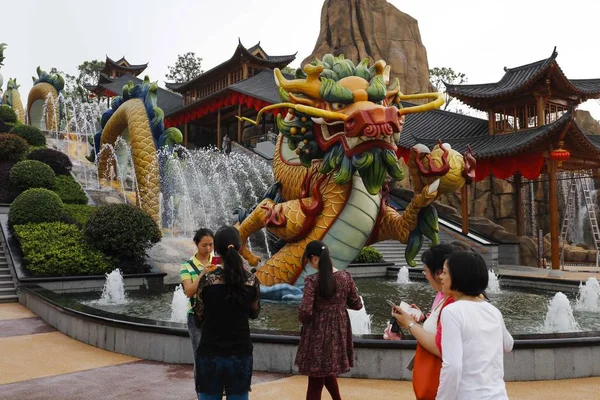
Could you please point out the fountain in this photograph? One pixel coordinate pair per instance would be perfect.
(179, 305)
(493, 283)
(559, 317)
(113, 291)
(589, 296)
(403, 277)
(360, 320)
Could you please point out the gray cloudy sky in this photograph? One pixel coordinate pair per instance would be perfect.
(476, 37)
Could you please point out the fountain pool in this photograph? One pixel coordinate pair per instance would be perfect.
(524, 311)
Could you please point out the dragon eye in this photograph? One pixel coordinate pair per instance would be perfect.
(337, 106)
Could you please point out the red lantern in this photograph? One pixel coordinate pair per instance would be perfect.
(560, 154)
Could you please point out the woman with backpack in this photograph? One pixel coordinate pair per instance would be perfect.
(228, 296)
(326, 348)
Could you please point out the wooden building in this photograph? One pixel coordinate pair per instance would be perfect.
(530, 131)
(239, 86)
(110, 72)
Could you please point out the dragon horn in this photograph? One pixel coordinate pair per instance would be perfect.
(432, 105)
(312, 111)
(309, 86)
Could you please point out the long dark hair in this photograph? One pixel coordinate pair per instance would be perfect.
(228, 244)
(327, 284)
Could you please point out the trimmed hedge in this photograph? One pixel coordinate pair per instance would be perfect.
(7, 114)
(32, 174)
(57, 160)
(12, 147)
(31, 134)
(34, 206)
(58, 249)
(69, 190)
(79, 213)
(368, 255)
(123, 232)
(7, 191)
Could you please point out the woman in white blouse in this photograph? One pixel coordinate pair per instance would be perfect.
(473, 335)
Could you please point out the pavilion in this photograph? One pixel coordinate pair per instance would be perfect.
(530, 131)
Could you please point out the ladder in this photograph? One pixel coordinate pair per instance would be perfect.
(579, 177)
(569, 213)
(591, 209)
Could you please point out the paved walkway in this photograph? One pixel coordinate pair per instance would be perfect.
(39, 363)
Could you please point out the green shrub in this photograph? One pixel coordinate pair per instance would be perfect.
(12, 147)
(35, 205)
(32, 174)
(57, 160)
(69, 190)
(7, 114)
(79, 213)
(57, 249)
(123, 232)
(368, 255)
(31, 134)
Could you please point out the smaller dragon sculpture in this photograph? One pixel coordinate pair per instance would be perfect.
(12, 98)
(46, 89)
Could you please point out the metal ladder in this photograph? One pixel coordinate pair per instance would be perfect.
(591, 211)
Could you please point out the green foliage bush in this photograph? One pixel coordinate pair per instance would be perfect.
(79, 213)
(32, 174)
(57, 160)
(123, 232)
(58, 249)
(12, 147)
(31, 134)
(368, 255)
(7, 114)
(34, 206)
(69, 190)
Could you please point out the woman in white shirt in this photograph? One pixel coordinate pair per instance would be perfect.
(473, 335)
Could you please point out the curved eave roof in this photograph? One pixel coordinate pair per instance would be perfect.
(513, 80)
(240, 51)
(483, 145)
(130, 68)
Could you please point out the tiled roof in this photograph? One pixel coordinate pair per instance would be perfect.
(461, 131)
(166, 100)
(128, 67)
(587, 86)
(513, 80)
(272, 61)
(261, 86)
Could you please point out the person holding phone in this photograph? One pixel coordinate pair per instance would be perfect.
(428, 355)
(326, 348)
(190, 273)
(228, 296)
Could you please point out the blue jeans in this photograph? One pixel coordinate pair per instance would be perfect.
(195, 332)
(217, 374)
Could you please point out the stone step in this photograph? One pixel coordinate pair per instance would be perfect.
(7, 284)
(10, 290)
(5, 277)
(12, 298)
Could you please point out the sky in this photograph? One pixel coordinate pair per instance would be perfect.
(478, 38)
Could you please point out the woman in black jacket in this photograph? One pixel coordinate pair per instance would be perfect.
(227, 297)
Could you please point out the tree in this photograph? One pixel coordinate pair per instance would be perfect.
(439, 76)
(89, 72)
(186, 68)
(289, 71)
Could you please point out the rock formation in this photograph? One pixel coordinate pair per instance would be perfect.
(376, 30)
(586, 122)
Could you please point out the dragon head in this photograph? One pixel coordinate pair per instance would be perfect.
(349, 116)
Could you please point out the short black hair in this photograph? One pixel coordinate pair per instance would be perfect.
(468, 272)
(200, 233)
(435, 256)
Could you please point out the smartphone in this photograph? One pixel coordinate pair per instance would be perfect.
(216, 260)
(411, 310)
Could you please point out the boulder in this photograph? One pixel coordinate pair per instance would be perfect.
(376, 30)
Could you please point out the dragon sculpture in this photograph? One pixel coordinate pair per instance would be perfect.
(331, 164)
(45, 91)
(12, 98)
(136, 117)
